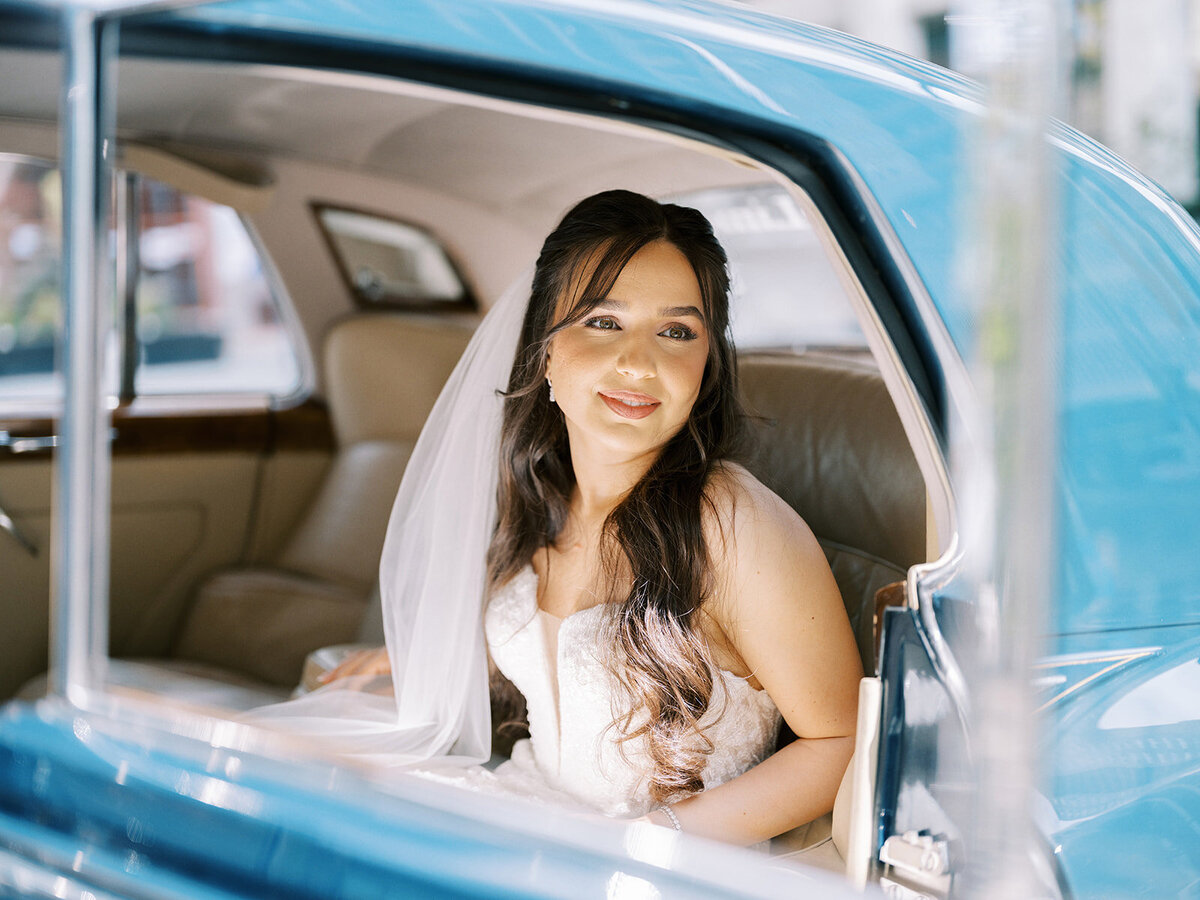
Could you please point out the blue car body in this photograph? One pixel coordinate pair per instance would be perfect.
(882, 135)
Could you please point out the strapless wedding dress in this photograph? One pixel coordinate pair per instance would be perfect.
(572, 756)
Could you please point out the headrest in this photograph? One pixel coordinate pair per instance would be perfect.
(384, 371)
(831, 444)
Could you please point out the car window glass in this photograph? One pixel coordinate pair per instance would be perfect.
(785, 292)
(386, 262)
(207, 319)
(30, 310)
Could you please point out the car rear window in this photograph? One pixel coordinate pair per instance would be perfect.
(386, 262)
(786, 294)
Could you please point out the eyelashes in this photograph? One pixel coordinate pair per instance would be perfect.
(680, 333)
(602, 323)
(676, 331)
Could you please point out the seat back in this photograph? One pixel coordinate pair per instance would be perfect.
(828, 440)
(383, 373)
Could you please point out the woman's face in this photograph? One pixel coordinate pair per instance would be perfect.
(628, 373)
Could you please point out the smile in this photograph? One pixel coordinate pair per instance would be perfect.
(630, 405)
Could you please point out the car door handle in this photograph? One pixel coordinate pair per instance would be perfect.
(7, 524)
(27, 444)
(21, 444)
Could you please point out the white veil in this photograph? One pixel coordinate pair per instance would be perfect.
(432, 578)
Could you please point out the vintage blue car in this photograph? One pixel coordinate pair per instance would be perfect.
(312, 204)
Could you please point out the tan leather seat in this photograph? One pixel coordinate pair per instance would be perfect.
(383, 373)
(249, 629)
(829, 442)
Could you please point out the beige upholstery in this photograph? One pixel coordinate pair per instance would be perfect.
(341, 536)
(263, 622)
(829, 442)
(383, 373)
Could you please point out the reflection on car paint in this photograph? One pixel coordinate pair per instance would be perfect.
(1169, 698)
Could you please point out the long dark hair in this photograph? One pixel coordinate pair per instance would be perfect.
(653, 541)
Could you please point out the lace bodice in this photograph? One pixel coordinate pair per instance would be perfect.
(557, 665)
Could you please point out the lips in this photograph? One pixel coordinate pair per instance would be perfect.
(630, 404)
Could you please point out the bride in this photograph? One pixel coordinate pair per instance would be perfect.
(651, 606)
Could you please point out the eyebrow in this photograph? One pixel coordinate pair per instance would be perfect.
(666, 311)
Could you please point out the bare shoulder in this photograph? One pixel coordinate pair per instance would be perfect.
(743, 516)
(777, 604)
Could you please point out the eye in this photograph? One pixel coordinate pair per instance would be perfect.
(679, 333)
(602, 323)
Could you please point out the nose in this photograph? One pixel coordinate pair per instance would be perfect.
(635, 357)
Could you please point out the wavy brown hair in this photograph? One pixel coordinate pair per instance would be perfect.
(653, 544)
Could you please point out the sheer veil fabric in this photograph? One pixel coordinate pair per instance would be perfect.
(432, 579)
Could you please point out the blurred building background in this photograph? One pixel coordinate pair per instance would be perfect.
(1133, 70)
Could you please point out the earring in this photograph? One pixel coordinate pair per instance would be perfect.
(551, 384)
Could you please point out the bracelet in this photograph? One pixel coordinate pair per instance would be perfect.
(671, 815)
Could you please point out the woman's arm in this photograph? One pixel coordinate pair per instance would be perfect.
(779, 608)
(794, 785)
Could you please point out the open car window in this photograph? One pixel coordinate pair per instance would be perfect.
(30, 305)
(786, 294)
(289, 541)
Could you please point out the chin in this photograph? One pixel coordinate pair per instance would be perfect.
(644, 442)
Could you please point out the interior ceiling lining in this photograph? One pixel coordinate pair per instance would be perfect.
(494, 156)
(491, 156)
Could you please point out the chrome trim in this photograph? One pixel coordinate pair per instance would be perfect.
(187, 404)
(1085, 658)
(921, 583)
(26, 158)
(1116, 659)
(27, 444)
(80, 548)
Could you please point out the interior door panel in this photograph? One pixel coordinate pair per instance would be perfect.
(175, 517)
(190, 494)
(24, 578)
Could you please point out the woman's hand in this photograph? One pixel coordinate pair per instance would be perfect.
(361, 662)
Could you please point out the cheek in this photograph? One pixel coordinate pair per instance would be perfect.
(693, 367)
(567, 360)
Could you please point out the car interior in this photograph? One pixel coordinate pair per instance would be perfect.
(247, 524)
